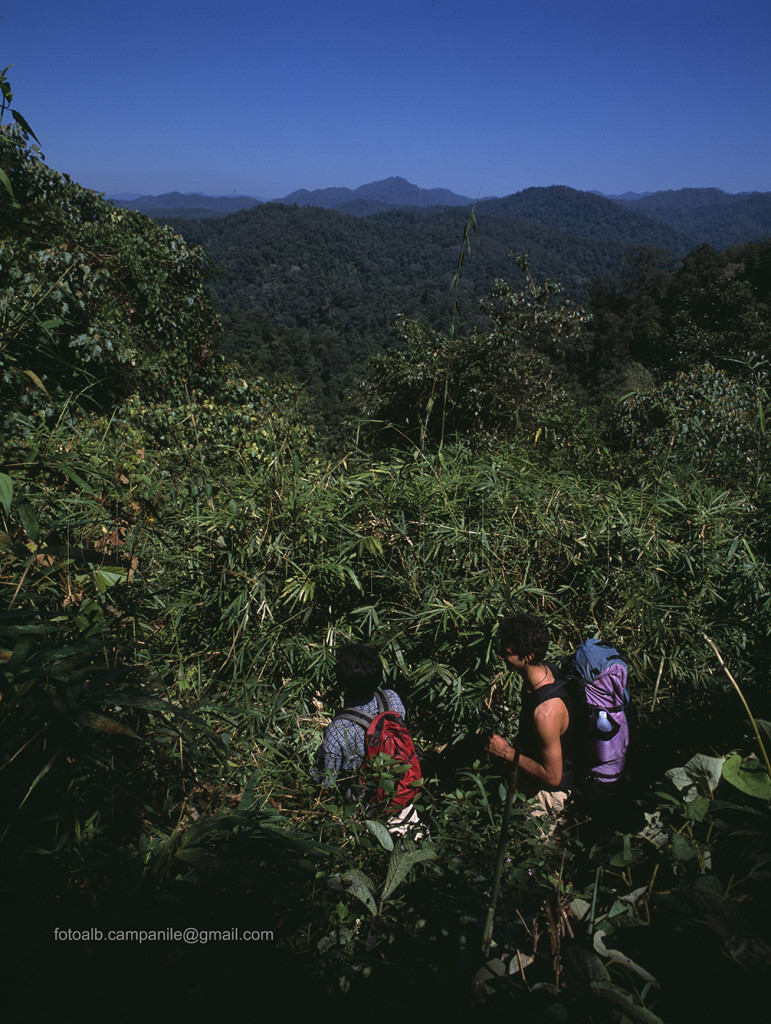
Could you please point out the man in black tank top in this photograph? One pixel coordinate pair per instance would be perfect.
(545, 761)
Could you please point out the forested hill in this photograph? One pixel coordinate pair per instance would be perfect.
(377, 195)
(316, 292)
(709, 214)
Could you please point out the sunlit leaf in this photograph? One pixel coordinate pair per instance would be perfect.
(36, 381)
(381, 833)
(699, 777)
(748, 775)
(102, 723)
(109, 576)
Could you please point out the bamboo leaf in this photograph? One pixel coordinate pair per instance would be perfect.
(36, 380)
(6, 492)
(40, 775)
(22, 122)
(102, 723)
(5, 181)
(76, 478)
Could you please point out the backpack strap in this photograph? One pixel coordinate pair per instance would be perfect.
(354, 716)
(359, 718)
(544, 693)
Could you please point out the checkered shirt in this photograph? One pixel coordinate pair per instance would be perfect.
(342, 749)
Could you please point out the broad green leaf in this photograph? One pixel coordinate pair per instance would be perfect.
(699, 777)
(698, 809)
(625, 857)
(748, 775)
(361, 886)
(400, 864)
(381, 833)
(6, 492)
(29, 521)
(681, 848)
(108, 577)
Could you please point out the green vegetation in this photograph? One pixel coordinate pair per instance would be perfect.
(182, 546)
(316, 292)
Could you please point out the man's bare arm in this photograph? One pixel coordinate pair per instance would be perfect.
(550, 723)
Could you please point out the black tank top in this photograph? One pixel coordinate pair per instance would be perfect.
(529, 742)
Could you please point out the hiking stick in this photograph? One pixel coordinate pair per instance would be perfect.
(658, 681)
(487, 936)
(754, 724)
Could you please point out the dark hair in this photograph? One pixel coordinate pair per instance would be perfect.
(524, 634)
(359, 671)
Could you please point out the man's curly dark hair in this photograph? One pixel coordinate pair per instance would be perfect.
(524, 634)
(359, 671)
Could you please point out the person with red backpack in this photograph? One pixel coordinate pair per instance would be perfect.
(371, 724)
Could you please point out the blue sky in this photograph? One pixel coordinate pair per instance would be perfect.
(485, 97)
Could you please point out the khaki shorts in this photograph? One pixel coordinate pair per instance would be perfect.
(550, 805)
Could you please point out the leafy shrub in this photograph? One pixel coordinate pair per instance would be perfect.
(704, 416)
(494, 381)
(96, 300)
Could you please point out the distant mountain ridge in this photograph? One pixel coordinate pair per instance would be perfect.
(191, 205)
(695, 215)
(374, 197)
(388, 192)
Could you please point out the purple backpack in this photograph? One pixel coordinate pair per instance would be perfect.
(601, 676)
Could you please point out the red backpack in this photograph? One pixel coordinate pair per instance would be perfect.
(386, 733)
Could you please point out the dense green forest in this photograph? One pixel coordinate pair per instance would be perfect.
(316, 292)
(184, 543)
